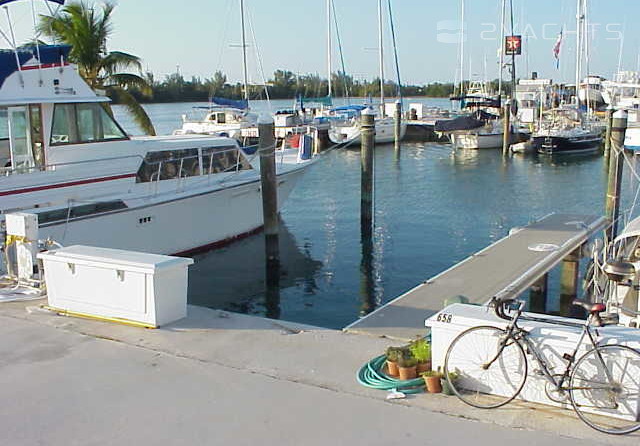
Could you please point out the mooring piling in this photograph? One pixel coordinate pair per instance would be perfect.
(616, 160)
(538, 295)
(397, 129)
(569, 279)
(367, 136)
(268, 181)
(607, 138)
(506, 128)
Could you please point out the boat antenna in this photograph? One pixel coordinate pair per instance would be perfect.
(37, 41)
(381, 57)
(344, 71)
(395, 51)
(12, 42)
(244, 53)
(329, 70)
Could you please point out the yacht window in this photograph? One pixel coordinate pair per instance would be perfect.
(80, 211)
(5, 153)
(82, 123)
(223, 159)
(169, 164)
(222, 119)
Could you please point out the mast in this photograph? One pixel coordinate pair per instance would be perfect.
(462, 51)
(502, 15)
(330, 91)
(578, 49)
(381, 56)
(513, 63)
(244, 53)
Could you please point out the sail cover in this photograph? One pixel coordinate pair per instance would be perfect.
(4, 2)
(461, 123)
(240, 105)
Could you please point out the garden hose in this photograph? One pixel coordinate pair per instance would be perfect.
(371, 375)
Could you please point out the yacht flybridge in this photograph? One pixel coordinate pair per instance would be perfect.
(64, 158)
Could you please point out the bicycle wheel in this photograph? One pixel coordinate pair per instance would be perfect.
(478, 382)
(605, 389)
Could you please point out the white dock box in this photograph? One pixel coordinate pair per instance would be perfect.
(112, 283)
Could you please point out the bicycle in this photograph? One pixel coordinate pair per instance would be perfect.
(603, 385)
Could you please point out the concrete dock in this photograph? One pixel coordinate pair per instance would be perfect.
(506, 268)
(223, 378)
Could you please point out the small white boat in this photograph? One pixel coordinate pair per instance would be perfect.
(219, 121)
(522, 147)
(345, 126)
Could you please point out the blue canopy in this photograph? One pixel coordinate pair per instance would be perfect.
(4, 2)
(350, 108)
(49, 54)
(239, 104)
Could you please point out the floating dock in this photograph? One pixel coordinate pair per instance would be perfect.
(506, 268)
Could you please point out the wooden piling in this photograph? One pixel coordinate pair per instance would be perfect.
(397, 116)
(506, 128)
(367, 136)
(538, 295)
(607, 138)
(269, 187)
(616, 161)
(569, 280)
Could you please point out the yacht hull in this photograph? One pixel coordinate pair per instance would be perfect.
(385, 133)
(181, 225)
(476, 140)
(555, 145)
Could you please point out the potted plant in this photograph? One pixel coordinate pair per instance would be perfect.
(432, 380)
(407, 366)
(393, 354)
(446, 388)
(421, 351)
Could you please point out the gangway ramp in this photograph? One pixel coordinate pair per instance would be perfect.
(506, 268)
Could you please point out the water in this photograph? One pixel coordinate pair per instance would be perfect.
(433, 208)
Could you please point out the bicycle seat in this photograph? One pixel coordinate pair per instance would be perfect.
(591, 308)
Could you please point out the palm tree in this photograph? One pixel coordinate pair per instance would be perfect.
(87, 31)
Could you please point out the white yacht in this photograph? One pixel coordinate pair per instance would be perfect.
(64, 158)
(345, 126)
(229, 119)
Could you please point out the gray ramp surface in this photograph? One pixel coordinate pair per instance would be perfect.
(506, 268)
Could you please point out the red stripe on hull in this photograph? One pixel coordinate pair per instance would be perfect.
(72, 183)
(219, 244)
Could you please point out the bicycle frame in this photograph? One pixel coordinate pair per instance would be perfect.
(518, 334)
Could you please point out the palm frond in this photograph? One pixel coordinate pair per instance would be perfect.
(117, 61)
(138, 113)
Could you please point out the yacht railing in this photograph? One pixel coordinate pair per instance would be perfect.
(10, 170)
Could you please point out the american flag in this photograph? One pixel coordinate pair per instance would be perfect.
(556, 49)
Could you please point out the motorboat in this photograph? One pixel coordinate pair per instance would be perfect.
(345, 125)
(222, 117)
(64, 158)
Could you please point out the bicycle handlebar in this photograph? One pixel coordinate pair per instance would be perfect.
(501, 305)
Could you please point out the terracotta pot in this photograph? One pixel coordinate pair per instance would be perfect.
(424, 367)
(392, 368)
(408, 373)
(433, 384)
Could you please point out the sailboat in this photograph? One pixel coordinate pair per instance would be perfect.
(567, 131)
(345, 128)
(224, 117)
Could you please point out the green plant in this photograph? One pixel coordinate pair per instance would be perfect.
(432, 373)
(421, 350)
(407, 361)
(453, 376)
(393, 354)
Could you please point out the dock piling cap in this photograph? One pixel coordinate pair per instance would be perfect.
(620, 114)
(265, 119)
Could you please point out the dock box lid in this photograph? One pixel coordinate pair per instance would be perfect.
(108, 257)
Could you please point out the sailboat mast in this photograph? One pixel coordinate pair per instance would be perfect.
(462, 50)
(501, 47)
(244, 53)
(381, 56)
(578, 48)
(329, 70)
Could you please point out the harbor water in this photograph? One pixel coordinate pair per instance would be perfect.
(433, 207)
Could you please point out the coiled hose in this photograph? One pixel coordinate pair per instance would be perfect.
(371, 375)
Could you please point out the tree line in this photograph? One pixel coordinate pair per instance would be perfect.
(283, 84)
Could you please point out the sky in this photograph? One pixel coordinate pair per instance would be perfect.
(199, 37)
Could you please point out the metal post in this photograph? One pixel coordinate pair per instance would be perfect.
(268, 180)
(398, 125)
(506, 127)
(538, 295)
(616, 160)
(607, 138)
(367, 136)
